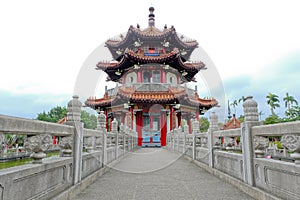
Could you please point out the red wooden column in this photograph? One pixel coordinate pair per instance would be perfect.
(163, 76)
(179, 118)
(190, 126)
(139, 76)
(197, 115)
(105, 112)
(163, 125)
(131, 117)
(139, 126)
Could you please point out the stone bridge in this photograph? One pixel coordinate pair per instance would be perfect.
(96, 164)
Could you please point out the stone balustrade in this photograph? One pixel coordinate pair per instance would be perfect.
(83, 153)
(243, 153)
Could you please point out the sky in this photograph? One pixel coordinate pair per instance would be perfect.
(253, 47)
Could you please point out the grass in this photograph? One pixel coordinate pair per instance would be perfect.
(24, 161)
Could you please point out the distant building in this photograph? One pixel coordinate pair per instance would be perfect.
(151, 67)
(232, 124)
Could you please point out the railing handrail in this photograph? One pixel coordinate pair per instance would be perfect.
(17, 125)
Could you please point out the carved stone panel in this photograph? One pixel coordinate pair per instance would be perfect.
(291, 142)
(38, 144)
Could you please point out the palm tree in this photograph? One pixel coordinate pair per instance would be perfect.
(272, 101)
(288, 101)
(260, 114)
(234, 104)
(242, 99)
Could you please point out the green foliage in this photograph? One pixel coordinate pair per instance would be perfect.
(241, 118)
(289, 101)
(204, 124)
(54, 115)
(293, 113)
(278, 144)
(89, 120)
(272, 119)
(272, 101)
(57, 113)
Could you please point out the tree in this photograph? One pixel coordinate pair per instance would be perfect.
(242, 99)
(89, 120)
(57, 113)
(241, 118)
(272, 119)
(272, 101)
(204, 124)
(234, 104)
(294, 113)
(54, 115)
(288, 101)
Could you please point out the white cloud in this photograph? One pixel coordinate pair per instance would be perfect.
(44, 44)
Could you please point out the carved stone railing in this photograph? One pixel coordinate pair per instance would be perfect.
(248, 160)
(83, 152)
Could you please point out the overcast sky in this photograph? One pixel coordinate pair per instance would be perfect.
(254, 45)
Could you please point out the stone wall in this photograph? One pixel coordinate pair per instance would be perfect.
(249, 160)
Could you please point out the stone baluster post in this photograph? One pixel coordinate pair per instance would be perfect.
(128, 134)
(73, 119)
(251, 119)
(132, 138)
(178, 131)
(213, 126)
(102, 128)
(115, 132)
(125, 138)
(122, 127)
(173, 139)
(2, 143)
(186, 132)
(195, 131)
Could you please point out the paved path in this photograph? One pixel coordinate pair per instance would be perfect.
(151, 173)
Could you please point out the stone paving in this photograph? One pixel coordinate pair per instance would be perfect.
(155, 173)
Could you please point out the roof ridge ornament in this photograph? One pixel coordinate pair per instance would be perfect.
(151, 16)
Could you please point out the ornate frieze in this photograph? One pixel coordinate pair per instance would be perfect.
(260, 145)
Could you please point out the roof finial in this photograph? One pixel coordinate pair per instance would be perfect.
(151, 16)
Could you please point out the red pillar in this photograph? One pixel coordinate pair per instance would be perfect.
(179, 118)
(139, 76)
(54, 139)
(163, 76)
(190, 125)
(163, 133)
(105, 112)
(139, 127)
(131, 116)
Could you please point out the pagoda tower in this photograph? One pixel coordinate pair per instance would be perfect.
(151, 68)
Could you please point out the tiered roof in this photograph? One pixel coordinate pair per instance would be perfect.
(116, 69)
(167, 95)
(151, 33)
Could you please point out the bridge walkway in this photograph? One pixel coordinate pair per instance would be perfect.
(156, 173)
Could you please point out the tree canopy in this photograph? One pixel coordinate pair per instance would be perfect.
(204, 124)
(58, 112)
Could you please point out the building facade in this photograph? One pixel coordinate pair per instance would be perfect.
(151, 67)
